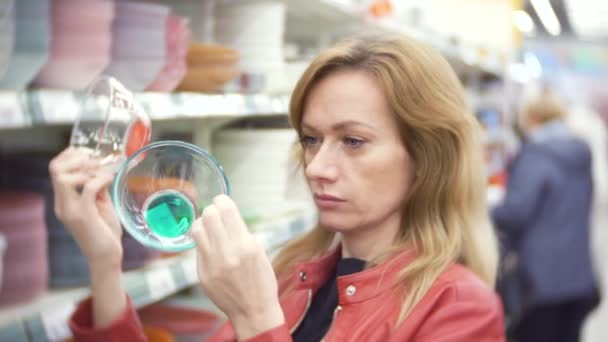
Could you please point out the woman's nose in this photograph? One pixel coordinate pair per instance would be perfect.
(323, 165)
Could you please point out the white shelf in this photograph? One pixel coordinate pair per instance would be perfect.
(59, 107)
(323, 10)
(12, 110)
(46, 318)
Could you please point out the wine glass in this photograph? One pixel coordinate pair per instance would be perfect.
(111, 125)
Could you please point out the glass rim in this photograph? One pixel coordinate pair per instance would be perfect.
(87, 93)
(217, 167)
(113, 84)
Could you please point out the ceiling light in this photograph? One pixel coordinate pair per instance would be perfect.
(547, 16)
(522, 21)
(519, 73)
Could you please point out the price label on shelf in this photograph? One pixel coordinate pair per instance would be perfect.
(11, 112)
(55, 322)
(160, 283)
(189, 267)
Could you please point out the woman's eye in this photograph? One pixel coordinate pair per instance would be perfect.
(308, 140)
(353, 142)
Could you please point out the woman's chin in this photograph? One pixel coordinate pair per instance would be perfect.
(333, 224)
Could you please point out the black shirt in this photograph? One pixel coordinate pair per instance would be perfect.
(318, 319)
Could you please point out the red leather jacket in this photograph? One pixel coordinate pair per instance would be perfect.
(458, 307)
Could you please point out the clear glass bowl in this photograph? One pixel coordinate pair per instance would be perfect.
(111, 124)
(162, 188)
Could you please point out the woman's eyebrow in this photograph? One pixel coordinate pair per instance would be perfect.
(349, 123)
(308, 127)
(338, 126)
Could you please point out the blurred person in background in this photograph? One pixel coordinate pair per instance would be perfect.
(589, 126)
(545, 218)
(403, 249)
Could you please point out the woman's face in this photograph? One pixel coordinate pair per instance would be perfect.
(355, 163)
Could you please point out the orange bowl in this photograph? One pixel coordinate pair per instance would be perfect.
(153, 334)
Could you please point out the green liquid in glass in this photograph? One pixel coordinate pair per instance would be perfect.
(169, 214)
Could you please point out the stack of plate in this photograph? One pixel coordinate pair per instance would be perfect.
(256, 164)
(255, 29)
(31, 43)
(80, 48)
(67, 266)
(29, 172)
(176, 44)
(210, 67)
(138, 46)
(186, 324)
(25, 273)
(201, 14)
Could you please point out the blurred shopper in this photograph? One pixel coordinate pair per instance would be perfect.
(545, 218)
(586, 123)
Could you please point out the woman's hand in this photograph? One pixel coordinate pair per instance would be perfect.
(234, 270)
(83, 204)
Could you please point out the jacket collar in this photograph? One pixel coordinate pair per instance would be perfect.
(356, 287)
(555, 129)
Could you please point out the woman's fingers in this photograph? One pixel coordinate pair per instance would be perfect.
(66, 197)
(199, 236)
(66, 153)
(71, 180)
(222, 229)
(71, 160)
(95, 186)
(64, 185)
(215, 230)
(234, 225)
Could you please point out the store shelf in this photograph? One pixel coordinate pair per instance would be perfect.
(57, 107)
(12, 110)
(45, 319)
(336, 18)
(324, 11)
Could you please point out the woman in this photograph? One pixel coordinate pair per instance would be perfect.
(545, 216)
(403, 249)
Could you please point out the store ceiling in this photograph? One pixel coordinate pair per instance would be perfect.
(579, 19)
(585, 19)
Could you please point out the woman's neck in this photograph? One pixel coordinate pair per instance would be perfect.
(369, 242)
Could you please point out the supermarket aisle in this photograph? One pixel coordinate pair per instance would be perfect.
(220, 75)
(589, 125)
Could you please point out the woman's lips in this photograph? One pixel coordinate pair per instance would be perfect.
(325, 201)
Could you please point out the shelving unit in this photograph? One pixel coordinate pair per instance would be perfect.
(45, 319)
(46, 115)
(317, 21)
(49, 111)
(56, 107)
(12, 110)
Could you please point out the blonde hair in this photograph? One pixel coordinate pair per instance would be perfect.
(445, 216)
(542, 109)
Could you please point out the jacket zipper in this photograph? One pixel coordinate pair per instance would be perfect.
(308, 302)
(336, 310)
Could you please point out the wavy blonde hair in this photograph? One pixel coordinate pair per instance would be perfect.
(445, 217)
(543, 109)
